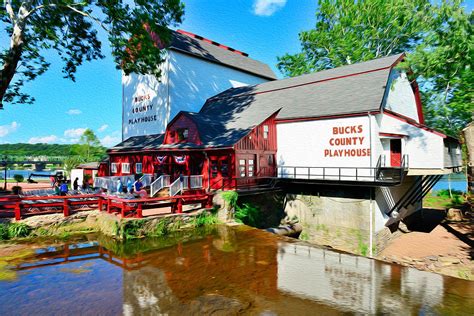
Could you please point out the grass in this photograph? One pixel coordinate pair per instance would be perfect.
(442, 199)
(248, 214)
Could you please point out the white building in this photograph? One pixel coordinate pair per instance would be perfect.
(195, 69)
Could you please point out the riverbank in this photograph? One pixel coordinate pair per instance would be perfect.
(58, 226)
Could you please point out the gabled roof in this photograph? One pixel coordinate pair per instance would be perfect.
(214, 52)
(139, 143)
(356, 88)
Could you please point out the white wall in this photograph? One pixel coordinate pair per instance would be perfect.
(187, 82)
(400, 97)
(315, 144)
(193, 80)
(425, 149)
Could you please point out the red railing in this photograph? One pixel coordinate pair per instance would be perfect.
(38, 205)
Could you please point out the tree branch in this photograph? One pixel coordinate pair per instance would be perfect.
(11, 14)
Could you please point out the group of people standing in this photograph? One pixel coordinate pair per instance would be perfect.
(131, 187)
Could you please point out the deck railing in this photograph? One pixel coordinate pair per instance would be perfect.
(186, 183)
(156, 186)
(110, 183)
(195, 182)
(146, 179)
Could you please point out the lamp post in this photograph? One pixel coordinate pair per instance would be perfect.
(4, 164)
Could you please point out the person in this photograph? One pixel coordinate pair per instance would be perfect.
(138, 185)
(129, 185)
(119, 186)
(63, 188)
(56, 188)
(75, 185)
(52, 180)
(143, 194)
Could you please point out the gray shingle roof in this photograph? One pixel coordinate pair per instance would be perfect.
(216, 54)
(146, 142)
(232, 114)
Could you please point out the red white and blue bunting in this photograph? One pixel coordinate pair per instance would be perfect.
(161, 159)
(180, 160)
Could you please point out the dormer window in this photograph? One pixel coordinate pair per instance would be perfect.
(182, 134)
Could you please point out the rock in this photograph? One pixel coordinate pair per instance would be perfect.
(432, 258)
(454, 215)
(446, 261)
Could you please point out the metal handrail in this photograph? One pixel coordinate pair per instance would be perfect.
(146, 179)
(176, 187)
(156, 186)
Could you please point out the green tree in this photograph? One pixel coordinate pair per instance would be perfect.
(72, 162)
(137, 32)
(18, 178)
(437, 36)
(90, 143)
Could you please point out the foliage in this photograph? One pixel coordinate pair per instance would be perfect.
(248, 214)
(18, 178)
(138, 33)
(72, 162)
(230, 197)
(49, 150)
(90, 144)
(161, 229)
(3, 231)
(445, 193)
(205, 219)
(18, 230)
(437, 36)
(132, 229)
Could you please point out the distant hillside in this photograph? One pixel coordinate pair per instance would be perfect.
(21, 149)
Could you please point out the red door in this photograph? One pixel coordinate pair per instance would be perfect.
(395, 152)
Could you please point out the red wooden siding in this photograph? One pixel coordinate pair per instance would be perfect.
(255, 140)
(182, 122)
(255, 153)
(145, 159)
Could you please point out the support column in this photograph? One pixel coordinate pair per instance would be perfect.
(65, 207)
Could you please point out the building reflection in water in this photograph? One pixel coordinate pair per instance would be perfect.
(234, 270)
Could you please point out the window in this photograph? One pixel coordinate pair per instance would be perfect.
(213, 168)
(224, 168)
(113, 167)
(250, 168)
(265, 131)
(270, 160)
(138, 167)
(242, 167)
(182, 134)
(125, 167)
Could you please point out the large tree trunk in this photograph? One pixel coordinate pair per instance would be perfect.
(469, 139)
(11, 61)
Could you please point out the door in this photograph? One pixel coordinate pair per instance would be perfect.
(395, 152)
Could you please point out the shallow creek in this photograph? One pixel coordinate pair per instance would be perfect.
(219, 271)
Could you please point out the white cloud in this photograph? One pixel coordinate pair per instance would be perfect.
(43, 139)
(111, 140)
(7, 129)
(74, 132)
(267, 7)
(74, 112)
(103, 128)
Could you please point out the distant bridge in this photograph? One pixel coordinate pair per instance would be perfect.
(39, 162)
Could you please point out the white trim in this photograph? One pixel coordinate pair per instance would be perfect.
(136, 167)
(113, 167)
(125, 167)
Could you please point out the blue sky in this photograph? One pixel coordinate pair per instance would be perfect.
(264, 29)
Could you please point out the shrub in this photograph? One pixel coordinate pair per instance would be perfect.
(18, 230)
(445, 193)
(230, 197)
(457, 199)
(205, 219)
(161, 229)
(3, 231)
(248, 214)
(18, 178)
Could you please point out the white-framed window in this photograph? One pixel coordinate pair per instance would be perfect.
(265, 131)
(125, 167)
(250, 169)
(113, 167)
(138, 167)
(242, 168)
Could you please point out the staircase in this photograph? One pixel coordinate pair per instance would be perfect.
(420, 188)
(159, 184)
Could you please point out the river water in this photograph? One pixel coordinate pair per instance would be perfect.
(222, 271)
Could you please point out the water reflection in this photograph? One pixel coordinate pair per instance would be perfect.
(223, 271)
